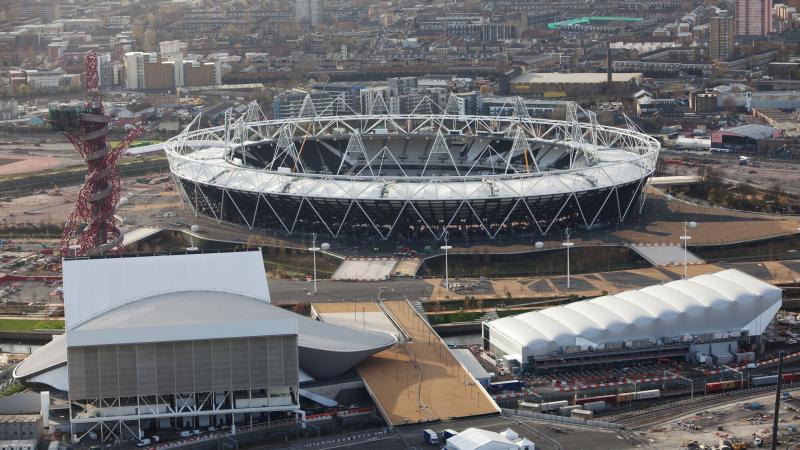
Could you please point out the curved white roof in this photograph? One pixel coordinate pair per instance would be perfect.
(726, 301)
(325, 350)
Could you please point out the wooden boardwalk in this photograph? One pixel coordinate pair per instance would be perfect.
(420, 380)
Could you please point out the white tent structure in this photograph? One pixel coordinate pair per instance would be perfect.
(478, 439)
(723, 305)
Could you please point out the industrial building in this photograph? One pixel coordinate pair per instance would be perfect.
(713, 316)
(556, 84)
(750, 138)
(184, 341)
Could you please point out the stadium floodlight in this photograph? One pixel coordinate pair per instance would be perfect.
(446, 248)
(567, 244)
(314, 249)
(685, 238)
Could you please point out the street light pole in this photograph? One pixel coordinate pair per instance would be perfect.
(446, 247)
(314, 249)
(567, 244)
(777, 402)
(685, 238)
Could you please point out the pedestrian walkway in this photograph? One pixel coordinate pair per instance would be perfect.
(407, 267)
(365, 269)
(665, 254)
(420, 380)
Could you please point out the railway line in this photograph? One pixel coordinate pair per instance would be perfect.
(645, 417)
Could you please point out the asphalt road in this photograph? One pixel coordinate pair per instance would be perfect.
(568, 438)
(286, 292)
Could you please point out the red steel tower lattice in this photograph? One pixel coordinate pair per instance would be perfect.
(98, 197)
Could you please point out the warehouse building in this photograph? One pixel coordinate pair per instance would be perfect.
(184, 342)
(557, 84)
(749, 138)
(713, 316)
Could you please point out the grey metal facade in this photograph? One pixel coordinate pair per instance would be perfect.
(165, 368)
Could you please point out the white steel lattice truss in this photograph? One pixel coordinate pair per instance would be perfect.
(600, 158)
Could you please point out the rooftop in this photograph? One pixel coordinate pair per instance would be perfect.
(753, 131)
(726, 301)
(575, 78)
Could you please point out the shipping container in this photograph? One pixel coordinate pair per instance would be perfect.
(552, 406)
(643, 395)
(764, 380)
(565, 410)
(582, 414)
(626, 397)
(606, 398)
(595, 406)
(511, 385)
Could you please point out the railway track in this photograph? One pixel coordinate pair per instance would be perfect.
(645, 417)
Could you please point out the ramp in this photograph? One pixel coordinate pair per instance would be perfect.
(365, 269)
(665, 254)
(407, 267)
(325, 401)
(356, 315)
(420, 380)
(138, 234)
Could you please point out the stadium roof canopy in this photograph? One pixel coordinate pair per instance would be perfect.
(724, 302)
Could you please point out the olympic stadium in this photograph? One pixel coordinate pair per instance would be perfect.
(336, 172)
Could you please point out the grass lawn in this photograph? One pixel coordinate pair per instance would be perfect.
(30, 325)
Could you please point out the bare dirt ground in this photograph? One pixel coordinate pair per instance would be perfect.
(29, 157)
(760, 173)
(662, 222)
(50, 206)
(735, 422)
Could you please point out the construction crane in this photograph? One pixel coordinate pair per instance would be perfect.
(90, 229)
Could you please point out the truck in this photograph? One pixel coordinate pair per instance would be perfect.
(430, 436)
(448, 433)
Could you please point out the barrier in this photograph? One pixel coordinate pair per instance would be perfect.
(561, 419)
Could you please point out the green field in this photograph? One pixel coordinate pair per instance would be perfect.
(30, 325)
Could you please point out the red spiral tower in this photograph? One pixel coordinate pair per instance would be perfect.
(90, 229)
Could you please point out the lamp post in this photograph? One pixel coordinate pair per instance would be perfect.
(314, 249)
(567, 244)
(685, 238)
(446, 247)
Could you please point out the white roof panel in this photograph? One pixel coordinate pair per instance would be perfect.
(93, 286)
(725, 301)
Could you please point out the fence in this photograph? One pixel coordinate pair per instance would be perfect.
(561, 419)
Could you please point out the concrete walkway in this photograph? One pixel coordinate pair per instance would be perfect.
(420, 380)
